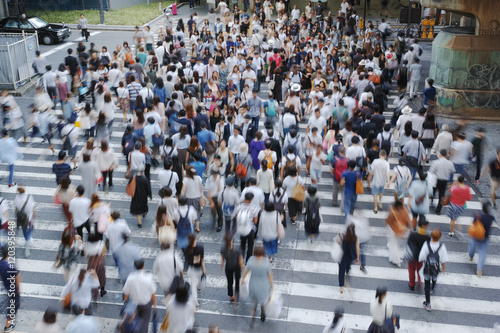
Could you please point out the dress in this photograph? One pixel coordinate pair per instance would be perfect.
(255, 148)
(89, 171)
(259, 286)
(139, 203)
(277, 92)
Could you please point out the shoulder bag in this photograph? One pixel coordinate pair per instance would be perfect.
(298, 192)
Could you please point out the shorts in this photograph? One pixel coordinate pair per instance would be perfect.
(376, 190)
(72, 151)
(294, 207)
(315, 174)
(495, 182)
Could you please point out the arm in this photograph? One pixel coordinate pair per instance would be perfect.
(270, 277)
(342, 181)
(357, 251)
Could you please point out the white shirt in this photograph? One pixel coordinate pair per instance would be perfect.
(295, 14)
(193, 215)
(115, 232)
(268, 226)
(319, 123)
(181, 316)
(289, 183)
(192, 186)
(249, 76)
(316, 161)
(79, 207)
(234, 142)
(265, 180)
(137, 161)
(30, 204)
(354, 151)
(80, 296)
(258, 196)
(424, 252)
(168, 178)
(380, 169)
(140, 286)
(163, 267)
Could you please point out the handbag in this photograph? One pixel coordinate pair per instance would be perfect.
(165, 323)
(271, 84)
(359, 186)
(245, 288)
(273, 305)
(476, 230)
(445, 201)
(337, 252)
(67, 300)
(210, 148)
(131, 188)
(280, 227)
(298, 192)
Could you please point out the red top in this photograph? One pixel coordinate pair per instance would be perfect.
(460, 195)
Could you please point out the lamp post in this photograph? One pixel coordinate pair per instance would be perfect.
(101, 11)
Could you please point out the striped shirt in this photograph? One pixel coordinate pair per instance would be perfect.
(61, 170)
(133, 90)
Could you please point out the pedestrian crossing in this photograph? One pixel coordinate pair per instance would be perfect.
(303, 273)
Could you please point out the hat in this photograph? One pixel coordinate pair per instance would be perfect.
(362, 63)
(406, 110)
(295, 87)
(270, 42)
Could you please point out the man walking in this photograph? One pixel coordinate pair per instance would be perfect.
(442, 168)
(414, 152)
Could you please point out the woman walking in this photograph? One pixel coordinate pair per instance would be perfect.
(268, 229)
(234, 264)
(350, 246)
(106, 162)
(25, 212)
(95, 250)
(486, 219)
(380, 310)
(459, 195)
(139, 203)
(397, 223)
(80, 287)
(434, 256)
(99, 210)
(195, 260)
(192, 189)
(261, 281)
(64, 193)
(67, 254)
(90, 175)
(401, 175)
(265, 180)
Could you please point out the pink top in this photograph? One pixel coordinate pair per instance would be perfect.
(460, 195)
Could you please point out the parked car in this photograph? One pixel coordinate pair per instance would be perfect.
(47, 33)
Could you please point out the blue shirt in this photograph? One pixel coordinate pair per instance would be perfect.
(254, 105)
(350, 181)
(429, 95)
(204, 136)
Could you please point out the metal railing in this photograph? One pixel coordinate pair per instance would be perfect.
(17, 53)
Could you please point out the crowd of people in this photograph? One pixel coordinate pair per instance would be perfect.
(194, 112)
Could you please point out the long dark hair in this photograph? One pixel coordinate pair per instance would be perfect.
(81, 277)
(350, 234)
(192, 243)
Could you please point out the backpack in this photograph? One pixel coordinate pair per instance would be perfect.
(243, 225)
(22, 217)
(149, 100)
(432, 263)
(386, 144)
(269, 158)
(241, 170)
(313, 218)
(184, 225)
(167, 157)
(279, 205)
(271, 109)
(129, 145)
(340, 167)
(288, 164)
(360, 162)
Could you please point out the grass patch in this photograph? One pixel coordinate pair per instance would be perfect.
(135, 15)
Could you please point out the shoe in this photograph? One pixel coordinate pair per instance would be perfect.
(469, 257)
(10, 185)
(27, 252)
(363, 269)
(10, 328)
(451, 234)
(427, 306)
(219, 229)
(341, 290)
(110, 187)
(479, 274)
(263, 316)
(412, 288)
(293, 222)
(75, 167)
(438, 212)
(103, 292)
(139, 225)
(375, 211)
(478, 182)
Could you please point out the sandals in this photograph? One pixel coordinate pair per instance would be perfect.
(197, 229)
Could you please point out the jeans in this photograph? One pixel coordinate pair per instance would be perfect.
(482, 250)
(362, 250)
(110, 127)
(11, 174)
(459, 168)
(255, 122)
(413, 172)
(250, 239)
(412, 267)
(27, 231)
(233, 276)
(259, 75)
(349, 203)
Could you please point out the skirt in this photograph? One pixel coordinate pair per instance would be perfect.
(97, 263)
(454, 211)
(195, 202)
(124, 104)
(63, 90)
(271, 247)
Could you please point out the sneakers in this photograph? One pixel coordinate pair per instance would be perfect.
(451, 234)
(412, 288)
(478, 182)
(427, 306)
(469, 257)
(363, 269)
(10, 185)
(10, 328)
(219, 229)
(27, 252)
(293, 222)
(479, 274)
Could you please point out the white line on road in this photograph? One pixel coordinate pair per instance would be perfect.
(54, 50)
(92, 34)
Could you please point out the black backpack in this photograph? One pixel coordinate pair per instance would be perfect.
(386, 143)
(168, 157)
(279, 205)
(22, 217)
(313, 217)
(432, 262)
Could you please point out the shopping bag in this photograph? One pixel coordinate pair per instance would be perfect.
(273, 305)
(336, 251)
(359, 186)
(281, 231)
(244, 288)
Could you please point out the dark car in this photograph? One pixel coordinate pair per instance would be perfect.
(47, 33)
